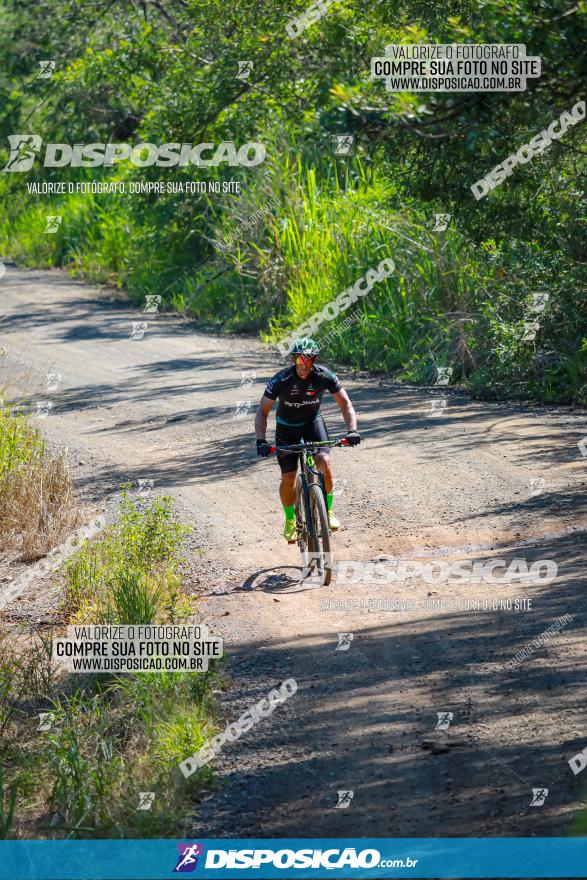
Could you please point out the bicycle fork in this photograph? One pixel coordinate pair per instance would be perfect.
(311, 529)
(321, 481)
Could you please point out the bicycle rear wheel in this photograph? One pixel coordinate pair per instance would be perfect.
(321, 548)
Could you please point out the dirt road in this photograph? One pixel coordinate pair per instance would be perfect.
(475, 481)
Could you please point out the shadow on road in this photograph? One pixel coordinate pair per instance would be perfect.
(364, 720)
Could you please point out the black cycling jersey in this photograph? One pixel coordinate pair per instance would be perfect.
(299, 399)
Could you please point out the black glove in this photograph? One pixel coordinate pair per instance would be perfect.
(263, 448)
(353, 438)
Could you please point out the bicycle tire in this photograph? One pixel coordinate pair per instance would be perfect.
(305, 541)
(322, 530)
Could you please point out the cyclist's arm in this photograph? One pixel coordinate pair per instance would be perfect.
(346, 408)
(265, 408)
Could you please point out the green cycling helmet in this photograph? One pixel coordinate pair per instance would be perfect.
(305, 346)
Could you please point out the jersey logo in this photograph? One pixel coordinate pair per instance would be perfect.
(297, 403)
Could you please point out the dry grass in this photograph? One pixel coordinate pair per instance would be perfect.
(37, 509)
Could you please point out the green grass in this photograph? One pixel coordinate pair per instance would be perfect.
(7, 806)
(452, 301)
(326, 225)
(130, 573)
(20, 443)
(127, 736)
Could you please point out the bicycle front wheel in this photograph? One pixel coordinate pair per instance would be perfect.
(306, 542)
(321, 542)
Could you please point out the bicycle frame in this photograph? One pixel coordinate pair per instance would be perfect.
(313, 528)
(307, 466)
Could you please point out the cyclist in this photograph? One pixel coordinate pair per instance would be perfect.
(299, 389)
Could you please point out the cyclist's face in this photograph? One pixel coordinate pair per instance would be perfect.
(303, 366)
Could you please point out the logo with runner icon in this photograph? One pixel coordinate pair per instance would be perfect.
(444, 719)
(344, 799)
(344, 641)
(187, 860)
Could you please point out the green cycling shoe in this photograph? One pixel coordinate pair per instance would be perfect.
(333, 522)
(290, 532)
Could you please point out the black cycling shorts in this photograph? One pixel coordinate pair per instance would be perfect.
(288, 434)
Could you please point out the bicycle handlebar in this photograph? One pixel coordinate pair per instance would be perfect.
(313, 444)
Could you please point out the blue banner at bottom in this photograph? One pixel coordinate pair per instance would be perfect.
(504, 857)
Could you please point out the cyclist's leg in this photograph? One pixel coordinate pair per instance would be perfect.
(288, 465)
(317, 430)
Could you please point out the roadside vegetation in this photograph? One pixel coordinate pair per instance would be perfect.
(110, 737)
(37, 509)
(307, 222)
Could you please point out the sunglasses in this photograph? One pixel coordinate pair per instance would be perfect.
(302, 361)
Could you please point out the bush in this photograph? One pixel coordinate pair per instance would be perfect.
(129, 574)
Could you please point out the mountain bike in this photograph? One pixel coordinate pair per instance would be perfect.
(313, 532)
